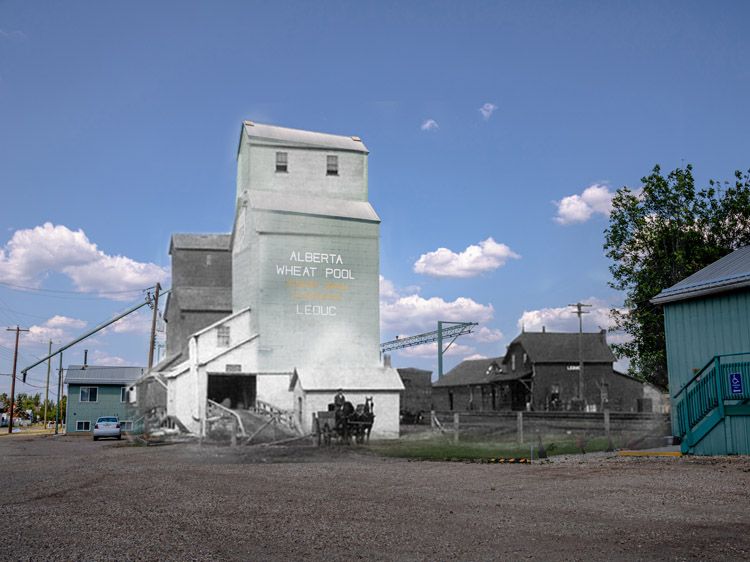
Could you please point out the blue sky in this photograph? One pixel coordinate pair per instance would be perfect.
(497, 132)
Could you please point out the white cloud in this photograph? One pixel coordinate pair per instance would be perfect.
(136, 323)
(487, 110)
(56, 329)
(473, 261)
(485, 335)
(32, 253)
(475, 357)
(579, 208)
(430, 350)
(64, 321)
(16, 34)
(102, 358)
(430, 125)
(409, 313)
(565, 319)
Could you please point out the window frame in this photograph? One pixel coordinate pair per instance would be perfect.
(88, 396)
(123, 394)
(332, 165)
(130, 425)
(79, 422)
(282, 162)
(223, 336)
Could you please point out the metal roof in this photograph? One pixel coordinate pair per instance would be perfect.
(311, 205)
(726, 274)
(302, 138)
(199, 242)
(93, 374)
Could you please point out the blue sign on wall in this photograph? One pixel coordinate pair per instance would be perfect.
(735, 383)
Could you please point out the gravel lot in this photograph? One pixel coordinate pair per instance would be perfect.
(69, 498)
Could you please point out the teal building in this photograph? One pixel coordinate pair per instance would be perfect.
(94, 392)
(707, 327)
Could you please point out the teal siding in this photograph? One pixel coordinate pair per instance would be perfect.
(696, 331)
(108, 404)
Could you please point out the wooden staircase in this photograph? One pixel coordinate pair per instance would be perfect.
(721, 389)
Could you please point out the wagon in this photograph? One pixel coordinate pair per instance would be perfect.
(343, 424)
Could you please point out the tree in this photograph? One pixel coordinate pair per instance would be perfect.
(657, 236)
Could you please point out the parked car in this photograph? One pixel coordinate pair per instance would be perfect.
(107, 427)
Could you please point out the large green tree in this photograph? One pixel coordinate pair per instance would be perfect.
(658, 235)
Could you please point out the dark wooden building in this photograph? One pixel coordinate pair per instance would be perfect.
(416, 398)
(201, 288)
(540, 371)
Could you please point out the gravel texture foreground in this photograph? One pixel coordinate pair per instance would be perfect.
(68, 498)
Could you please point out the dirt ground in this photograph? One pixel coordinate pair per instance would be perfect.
(69, 498)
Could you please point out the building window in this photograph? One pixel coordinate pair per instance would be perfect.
(126, 425)
(123, 393)
(513, 362)
(332, 165)
(209, 260)
(281, 162)
(222, 336)
(89, 394)
(83, 426)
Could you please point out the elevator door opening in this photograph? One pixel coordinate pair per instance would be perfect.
(235, 391)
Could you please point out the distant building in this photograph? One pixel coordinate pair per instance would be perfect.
(97, 391)
(540, 371)
(707, 331)
(416, 398)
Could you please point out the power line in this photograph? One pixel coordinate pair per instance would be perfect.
(77, 292)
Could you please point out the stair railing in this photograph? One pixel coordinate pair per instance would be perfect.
(216, 410)
(705, 394)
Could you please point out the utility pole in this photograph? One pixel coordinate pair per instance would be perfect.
(13, 384)
(59, 393)
(153, 327)
(580, 312)
(46, 394)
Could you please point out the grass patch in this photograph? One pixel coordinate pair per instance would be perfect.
(442, 447)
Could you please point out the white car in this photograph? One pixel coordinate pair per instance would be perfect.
(107, 427)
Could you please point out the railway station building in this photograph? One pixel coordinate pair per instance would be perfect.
(540, 371)
(283, 311)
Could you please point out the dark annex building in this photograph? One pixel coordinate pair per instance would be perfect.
(540, 371)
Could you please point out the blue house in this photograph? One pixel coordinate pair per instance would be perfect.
(94, 392)
(707, 328)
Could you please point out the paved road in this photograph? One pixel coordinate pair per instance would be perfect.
(68, 498)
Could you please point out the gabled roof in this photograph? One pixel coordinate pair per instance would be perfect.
(360, 378)
(558, 347)
(311, 205)
(302, 138)
(476, 371)
(726, 274)
(94, 374)
(199, 242)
